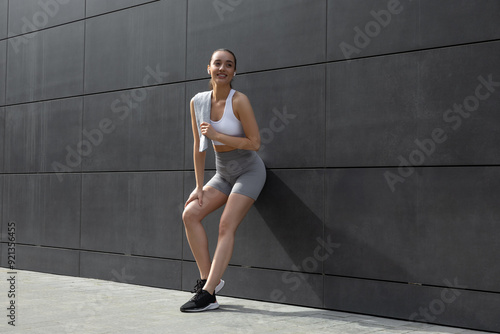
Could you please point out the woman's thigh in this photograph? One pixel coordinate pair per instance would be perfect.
(237, 207)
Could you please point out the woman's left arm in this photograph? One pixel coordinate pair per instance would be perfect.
(251, 141)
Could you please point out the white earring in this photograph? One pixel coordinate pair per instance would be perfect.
(208, 71)
(234, 74)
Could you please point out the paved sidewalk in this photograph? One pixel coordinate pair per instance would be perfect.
(47, 303)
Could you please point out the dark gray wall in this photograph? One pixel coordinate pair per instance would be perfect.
(379, 122)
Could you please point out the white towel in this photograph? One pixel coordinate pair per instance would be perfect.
(202, 105)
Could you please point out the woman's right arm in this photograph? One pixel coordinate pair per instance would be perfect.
(199, 161)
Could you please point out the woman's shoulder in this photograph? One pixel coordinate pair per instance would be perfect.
(240, 99)
(201, 96)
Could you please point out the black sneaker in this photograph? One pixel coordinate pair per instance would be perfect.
(201, 301)
(200, 283)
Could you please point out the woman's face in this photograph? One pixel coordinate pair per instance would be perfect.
(221, 67)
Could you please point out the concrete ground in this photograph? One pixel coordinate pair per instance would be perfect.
(46, 303)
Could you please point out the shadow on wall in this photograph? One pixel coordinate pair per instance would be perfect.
(288, 217)
(312, 246)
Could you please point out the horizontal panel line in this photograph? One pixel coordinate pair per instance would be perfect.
(92, 251)
(19, 244)
(77, 20)
(268, 169)
(353, 277)
(45, 246)
(316, 63)
(261, 268)
(249, 72)
(132, 255)
(440, 47)
(414, 283)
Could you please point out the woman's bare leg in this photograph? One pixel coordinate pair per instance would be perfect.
(195, 232)
(237, 207)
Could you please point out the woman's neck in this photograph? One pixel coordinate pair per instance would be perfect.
(221, 93)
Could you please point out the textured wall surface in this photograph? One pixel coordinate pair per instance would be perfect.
(379, 124)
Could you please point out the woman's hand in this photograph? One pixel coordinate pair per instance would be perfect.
(208, 130)
(196, 194)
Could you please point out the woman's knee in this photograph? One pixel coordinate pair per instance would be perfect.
(190, 215)
(227, 228)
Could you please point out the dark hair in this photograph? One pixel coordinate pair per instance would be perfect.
(210, 84)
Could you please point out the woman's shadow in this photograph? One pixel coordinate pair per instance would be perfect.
(314, 247)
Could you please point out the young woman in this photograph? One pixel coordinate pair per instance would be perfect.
(226, 117)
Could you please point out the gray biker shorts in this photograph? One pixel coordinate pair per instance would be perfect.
(239, 171)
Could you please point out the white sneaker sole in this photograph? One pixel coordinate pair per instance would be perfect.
(219, 286)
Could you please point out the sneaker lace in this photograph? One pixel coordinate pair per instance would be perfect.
(199, 285)
(197, 296)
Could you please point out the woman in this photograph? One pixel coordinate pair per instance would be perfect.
(226, 117)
